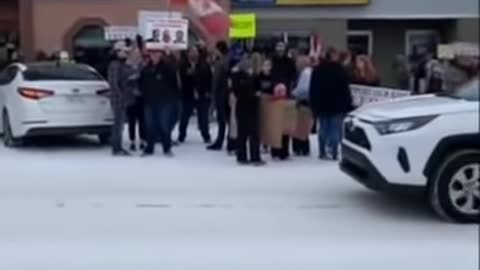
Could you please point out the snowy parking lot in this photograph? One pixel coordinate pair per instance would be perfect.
(69, 205)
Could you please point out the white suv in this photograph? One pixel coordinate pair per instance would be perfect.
(428, 143)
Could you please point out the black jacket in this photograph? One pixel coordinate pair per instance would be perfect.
(159, 83)
(243, 86)
(330, 90)
(283, 71)
(196, 80)
(264, 83)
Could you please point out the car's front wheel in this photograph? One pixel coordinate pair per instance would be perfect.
(8, 139)
(455, 187)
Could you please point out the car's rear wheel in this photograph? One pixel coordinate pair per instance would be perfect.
(8, 139)
(104, 138)
(455, 187)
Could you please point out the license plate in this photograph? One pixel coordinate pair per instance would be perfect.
(75, 99)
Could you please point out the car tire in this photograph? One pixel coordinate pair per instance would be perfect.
(8, 139)
(104, 138)
(454, 191)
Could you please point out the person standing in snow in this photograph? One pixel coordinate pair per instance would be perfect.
(119, 75)
(283, 75)
(159, 85)
(221, 93)
(331, 100)
(247, 110)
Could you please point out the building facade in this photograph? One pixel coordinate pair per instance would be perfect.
(52, 25)
(382, 28)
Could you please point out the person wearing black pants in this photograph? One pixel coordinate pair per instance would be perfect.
(136, 117)
(196, 78)
(220, 92)
(247, 114)
(283, 73)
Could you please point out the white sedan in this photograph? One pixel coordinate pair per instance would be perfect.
(51, 98)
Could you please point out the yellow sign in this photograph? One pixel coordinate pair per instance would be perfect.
(243, 25)
(321, 2)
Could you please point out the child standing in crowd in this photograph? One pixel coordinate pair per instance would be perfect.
(247, 113)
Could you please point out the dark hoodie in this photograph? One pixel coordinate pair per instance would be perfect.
(159, 84)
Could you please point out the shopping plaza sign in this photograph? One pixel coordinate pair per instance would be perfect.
(298, 2)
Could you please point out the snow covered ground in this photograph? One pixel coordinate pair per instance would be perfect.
(69, 205)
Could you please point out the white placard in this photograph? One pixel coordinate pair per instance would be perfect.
(120, 32)
(367, 94)
(162, 30)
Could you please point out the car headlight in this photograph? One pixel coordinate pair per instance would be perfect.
(402, 125)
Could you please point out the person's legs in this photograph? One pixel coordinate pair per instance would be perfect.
(285, 152)
(335, 134)
(165, 120)
(242, 138)
(141, 121)
(187, 110)
(254, 142)
(117, 129)
(150, 128)
(202, 113)
(222, 126)
(132, 123)
(322, 136)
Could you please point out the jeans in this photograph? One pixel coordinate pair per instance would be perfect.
(136, 117)
(202, 106)
(329, 134)
(119, 117)
(158, 121)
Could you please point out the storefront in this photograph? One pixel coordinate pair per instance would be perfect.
(383, 29)
(53, 25)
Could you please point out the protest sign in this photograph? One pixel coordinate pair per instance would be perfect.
(243, 25)
(367, 94)
(114, 33)
(163, 30)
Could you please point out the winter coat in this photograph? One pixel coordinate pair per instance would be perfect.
(246, 94)
(220, 80)
(196, 80)
(120, 76)
(330, 90)
(159, 83)
(283, 71)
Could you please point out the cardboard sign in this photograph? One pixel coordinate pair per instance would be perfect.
(243, 25)
(365, 94)
(167, 33)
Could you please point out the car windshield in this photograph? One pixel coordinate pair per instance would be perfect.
(470, 91)
(60, 72)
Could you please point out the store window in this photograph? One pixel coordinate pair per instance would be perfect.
(360, 42)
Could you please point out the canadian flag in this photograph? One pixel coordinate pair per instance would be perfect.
(212, 16)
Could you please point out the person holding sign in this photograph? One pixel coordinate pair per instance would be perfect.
(159, 85)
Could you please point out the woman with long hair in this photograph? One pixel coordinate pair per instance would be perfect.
(364, 72)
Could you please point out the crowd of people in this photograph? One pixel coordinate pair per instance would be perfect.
(156, 91)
